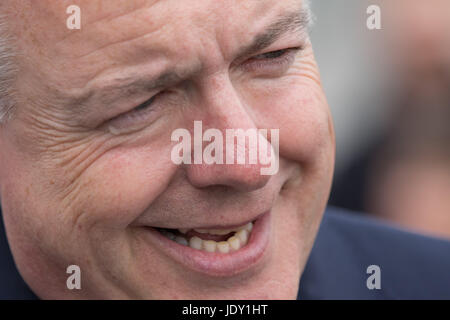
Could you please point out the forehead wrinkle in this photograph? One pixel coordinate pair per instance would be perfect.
(96, 35)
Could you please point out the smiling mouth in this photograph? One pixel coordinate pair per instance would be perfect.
(211, 240)
(216, 251)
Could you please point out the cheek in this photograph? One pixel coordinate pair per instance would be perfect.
(298, 108)
(131, 179)
(112, 192)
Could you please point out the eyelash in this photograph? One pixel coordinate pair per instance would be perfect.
(141, 109)
(124, 121)
(263, 62)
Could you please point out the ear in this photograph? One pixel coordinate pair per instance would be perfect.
(3, 153)
(2, 150)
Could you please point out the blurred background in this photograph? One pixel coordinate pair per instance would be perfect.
(389, 92)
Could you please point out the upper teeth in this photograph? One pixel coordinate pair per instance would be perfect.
(233, 243)
(220, 232)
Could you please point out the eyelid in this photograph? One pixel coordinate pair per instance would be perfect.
(145, 104)
(282, 51)
(131, 120)
(259, 62)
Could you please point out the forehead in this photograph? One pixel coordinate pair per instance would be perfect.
(132, 33)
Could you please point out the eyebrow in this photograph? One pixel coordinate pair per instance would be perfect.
(292, 22)
(297, 21)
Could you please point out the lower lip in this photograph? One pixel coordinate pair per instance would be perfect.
(219, 264)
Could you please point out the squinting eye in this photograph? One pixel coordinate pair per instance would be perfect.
(144, 105)
(136, 117)
(272, 55)
(273, 63)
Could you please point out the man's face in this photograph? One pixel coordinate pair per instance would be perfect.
(87, 177)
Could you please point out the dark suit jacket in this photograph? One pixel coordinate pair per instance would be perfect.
(412, 266)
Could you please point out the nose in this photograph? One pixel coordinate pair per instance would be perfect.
(225, 117)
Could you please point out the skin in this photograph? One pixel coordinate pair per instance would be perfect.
(74, 193)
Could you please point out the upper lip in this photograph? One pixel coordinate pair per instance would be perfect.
(217, 226)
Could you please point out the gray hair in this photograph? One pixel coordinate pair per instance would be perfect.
(310, 14)
(8, 71)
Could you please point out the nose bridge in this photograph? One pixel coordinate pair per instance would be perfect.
(226, 115)
(224, 107)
